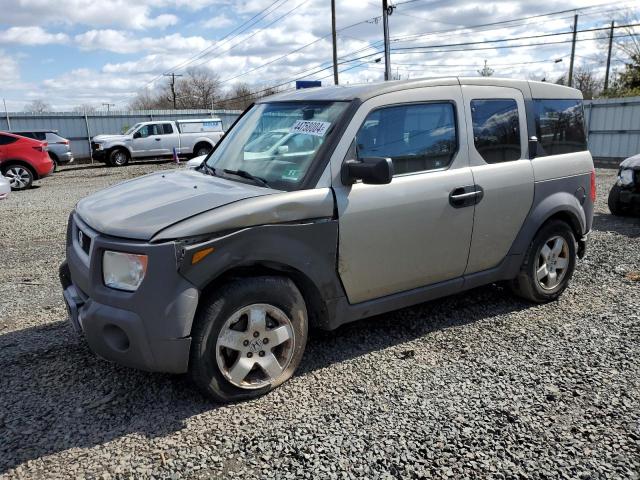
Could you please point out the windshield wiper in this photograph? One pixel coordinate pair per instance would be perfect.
(208, 170)
(244, 174)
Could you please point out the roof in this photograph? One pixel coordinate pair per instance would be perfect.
(34, 130)
(366, 91)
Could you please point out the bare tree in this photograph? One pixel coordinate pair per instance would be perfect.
(84, 108)
(486, 71)
(38, 106)
(199, 88)
(586, 81)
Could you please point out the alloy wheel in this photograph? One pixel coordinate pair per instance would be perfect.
(552, 263)
(255, 345)
(120, 158)
(19, 177)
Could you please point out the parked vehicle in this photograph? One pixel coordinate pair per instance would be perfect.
(23, 160)
(158, 139)
(5, 187)
(624, 197)
(58, 147)
(413, 190)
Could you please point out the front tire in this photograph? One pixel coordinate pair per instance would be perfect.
(20, 177)
(549, 264)
(615, 206)
(118, 157)
(248, 338)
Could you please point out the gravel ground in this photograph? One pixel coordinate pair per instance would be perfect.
(477, 385)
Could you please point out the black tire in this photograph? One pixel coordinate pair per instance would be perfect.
(119, 157)
(526, 284)
(201, 149)
(212, 316)
(615, 207)
(20, 176)
(54, 159)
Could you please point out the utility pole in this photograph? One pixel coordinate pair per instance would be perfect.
(108, 105)
(386, 11)
(6, 112)
(335, 47)
(606, 75)
(173, 86)
(573, 49)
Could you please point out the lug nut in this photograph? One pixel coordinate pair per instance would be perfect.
(249, 354)
(256, 334)
(265, 341)
(246, 343)
(261, 353)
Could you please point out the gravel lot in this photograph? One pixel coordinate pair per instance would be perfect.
(474, 386)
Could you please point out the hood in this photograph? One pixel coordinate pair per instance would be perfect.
(631, 162)
(110, 138)
(140, 208)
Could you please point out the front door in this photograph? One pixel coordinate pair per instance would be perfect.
(149, 141)
(498, 154)
(411, 232)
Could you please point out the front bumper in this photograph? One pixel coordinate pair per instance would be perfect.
(99, 155)
(148, 329)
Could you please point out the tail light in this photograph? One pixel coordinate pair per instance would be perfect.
(39, 148)
(593, 186)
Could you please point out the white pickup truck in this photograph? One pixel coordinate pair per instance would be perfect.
(158, 139)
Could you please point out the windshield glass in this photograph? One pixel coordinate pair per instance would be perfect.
(130, 131)
(276, 142)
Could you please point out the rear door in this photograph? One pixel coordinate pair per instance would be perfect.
(170, 139)
(407, 234)
(498, 154)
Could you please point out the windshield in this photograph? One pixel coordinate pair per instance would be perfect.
(130, 131)
(276, 142)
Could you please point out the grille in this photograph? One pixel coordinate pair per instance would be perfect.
(84, 241)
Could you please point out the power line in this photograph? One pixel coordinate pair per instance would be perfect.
(256, 32)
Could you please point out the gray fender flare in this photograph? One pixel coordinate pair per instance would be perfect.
(560, 203)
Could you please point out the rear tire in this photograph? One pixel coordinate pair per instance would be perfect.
(248, 338)
(549, 264)
(201, 149)
(54, 159)
(20, 177)
(615, 207)
(118, 157)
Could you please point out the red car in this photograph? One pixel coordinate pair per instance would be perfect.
(23, 160)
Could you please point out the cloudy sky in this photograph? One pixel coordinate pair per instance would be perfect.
(73, 52)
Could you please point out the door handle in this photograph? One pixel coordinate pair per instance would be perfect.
(466, 196)
(158, 139)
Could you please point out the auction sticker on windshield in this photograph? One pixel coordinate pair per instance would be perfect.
(310, 127)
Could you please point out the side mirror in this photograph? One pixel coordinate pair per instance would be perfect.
(373, 170)
(533, 147)
(137, 134)
(282, 149)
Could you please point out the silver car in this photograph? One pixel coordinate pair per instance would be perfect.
(58, 147)
(410, 191)
(5, 187)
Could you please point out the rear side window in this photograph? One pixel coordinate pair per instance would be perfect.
(167, 128)
(27, 134)
(496, 129)
(6, 139)
(560, 127)
(417, 137)
(54, 138)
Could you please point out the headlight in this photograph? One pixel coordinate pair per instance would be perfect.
(626, 177)
(98, 146)
(123, 271)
